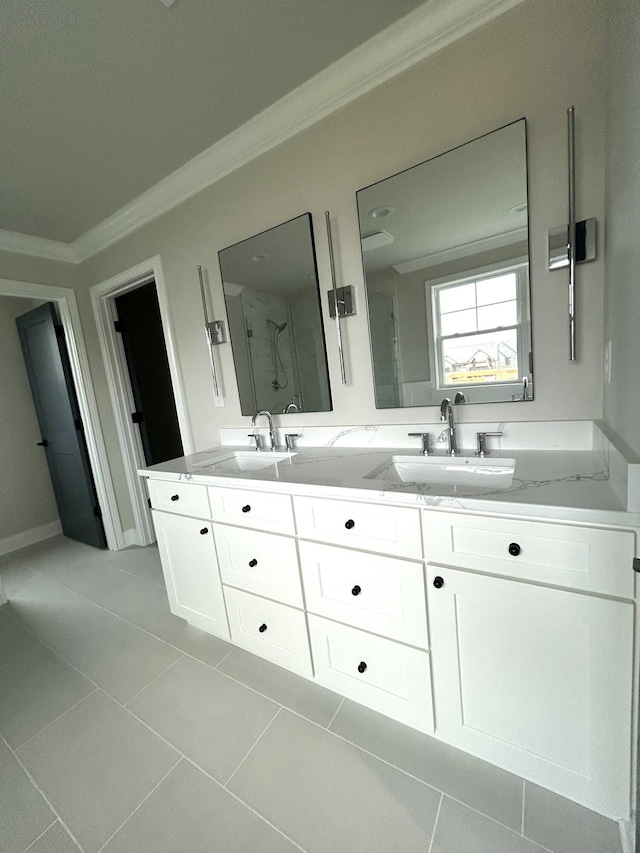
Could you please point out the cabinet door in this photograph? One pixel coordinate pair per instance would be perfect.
(191, 571)
(536, 680)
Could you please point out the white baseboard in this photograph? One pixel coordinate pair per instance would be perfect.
(29, 537)
(626, 836)
(132, 537)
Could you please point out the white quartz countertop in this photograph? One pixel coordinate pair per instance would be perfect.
(567, 485)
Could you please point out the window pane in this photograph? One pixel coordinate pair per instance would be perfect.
(498, 289)
(481, 358)
(458, 322)
(457, 297)
(502, 314)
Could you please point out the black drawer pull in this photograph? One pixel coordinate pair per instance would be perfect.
(356, 590)
(362, 666)
(514, 549)
(246, 508)
(253, 563)
(262, 628)
(175, 497)
(204, 530)
(438, 582)
(350, 524)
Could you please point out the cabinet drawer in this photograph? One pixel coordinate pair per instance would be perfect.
(179, 498)
(260, 510)
(386, 676)
(264, 563)
(268, 629)
(379, 594)
(587, 558)
(387, 529)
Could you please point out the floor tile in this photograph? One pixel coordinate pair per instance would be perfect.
(143, 562)
(15, 641)
(15, 576)
(96, 764)
(482, 786)
(462, 830)
(205, 715)
(192, 641)
(566, 827)
(327, 795)
(55, 840)
(300, 695)
(53, 556)
(129, 597)
(57, 616)
(122, 660)
(187, 811)
(37, 688)
(24, 813)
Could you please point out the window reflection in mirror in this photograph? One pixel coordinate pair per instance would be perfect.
(446, 260)
(272, 298)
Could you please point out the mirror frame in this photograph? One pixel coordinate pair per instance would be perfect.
(522, 388)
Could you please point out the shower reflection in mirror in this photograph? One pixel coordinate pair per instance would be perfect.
(275, 323)
(446, 260)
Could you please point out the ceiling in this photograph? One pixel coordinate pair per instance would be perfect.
(101, 99)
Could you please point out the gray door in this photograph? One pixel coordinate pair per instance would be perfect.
(54, 398)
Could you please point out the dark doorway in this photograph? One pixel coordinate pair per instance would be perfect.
(56, 405)
(140, 325)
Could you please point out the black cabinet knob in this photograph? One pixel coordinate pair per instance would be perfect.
(362, 666)
(356, 590)
(175, 497)
(246, 508)
(438, 582)
(514, 549)
(253, 563)
(262, 628)
(349, 524)
(204, 530)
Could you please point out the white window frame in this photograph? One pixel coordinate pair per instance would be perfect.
(522, 326)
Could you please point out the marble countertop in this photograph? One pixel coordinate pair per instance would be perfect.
(571, 485)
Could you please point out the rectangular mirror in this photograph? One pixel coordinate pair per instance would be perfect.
(272, 298)
(445, 249)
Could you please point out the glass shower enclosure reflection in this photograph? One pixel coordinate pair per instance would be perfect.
(272, 298)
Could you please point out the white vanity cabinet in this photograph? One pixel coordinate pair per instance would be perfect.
(534, 678)
(510, 638)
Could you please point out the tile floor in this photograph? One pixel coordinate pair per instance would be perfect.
(125, 730)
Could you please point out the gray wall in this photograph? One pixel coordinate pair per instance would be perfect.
(622, 222)
(518, 65)
(26, 496)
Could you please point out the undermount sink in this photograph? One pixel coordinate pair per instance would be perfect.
(235, 461)
(479, 471)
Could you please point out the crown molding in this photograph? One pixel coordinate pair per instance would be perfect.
(38, 247)
(466, 250)
(423, 32)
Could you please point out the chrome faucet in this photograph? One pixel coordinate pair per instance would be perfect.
(446, 414)
(272, 432)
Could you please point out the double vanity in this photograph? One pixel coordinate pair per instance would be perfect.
(484, 600)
